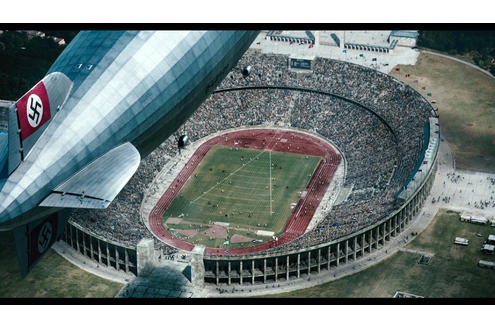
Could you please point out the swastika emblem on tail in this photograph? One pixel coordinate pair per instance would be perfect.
(44, 237)
(34, 110)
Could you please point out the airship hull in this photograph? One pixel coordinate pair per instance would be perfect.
(77, 137)
(133, 87)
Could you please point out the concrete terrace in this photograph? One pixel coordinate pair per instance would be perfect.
(384, 61)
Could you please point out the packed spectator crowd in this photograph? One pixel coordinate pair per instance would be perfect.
(379, 158)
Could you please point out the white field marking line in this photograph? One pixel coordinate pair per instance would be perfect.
(242, 190)
(246, 193)
(241, 199)
(227, 177)
(243, 196)
(221, 182)
(251, 176)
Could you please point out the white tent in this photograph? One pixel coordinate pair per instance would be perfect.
(486, 264)
(461, 241)
(488, 248)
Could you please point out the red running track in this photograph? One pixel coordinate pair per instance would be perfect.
(266, 139)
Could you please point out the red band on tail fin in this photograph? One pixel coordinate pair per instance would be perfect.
(33, 110)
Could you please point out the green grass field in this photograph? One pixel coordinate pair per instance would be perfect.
(453, 271)
(466, 101)
(248, 189)
(52, 276)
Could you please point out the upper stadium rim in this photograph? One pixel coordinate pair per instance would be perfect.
(377, 122)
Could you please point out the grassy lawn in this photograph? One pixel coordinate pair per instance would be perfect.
(232, 185)
(452, 272)
(52, 276)
(466, 101)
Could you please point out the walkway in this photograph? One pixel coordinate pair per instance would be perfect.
(384, 61)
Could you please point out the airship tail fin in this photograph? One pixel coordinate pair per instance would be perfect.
(29, 116)
(33, 240)
(96, 185)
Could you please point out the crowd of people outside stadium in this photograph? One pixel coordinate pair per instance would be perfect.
(379, 157)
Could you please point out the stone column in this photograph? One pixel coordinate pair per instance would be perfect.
(403, 215)
(252, 271)
(240, 272)
(298, 265)
(77, 240)
(370, 240)
(309, 263)
(319, 259)
(126, 260)
(276, 269)
(338, 253)
(99, 251)
(198, 266)
(355, 248)
(84, 243)
(399, 219)
(329, 257)
(217, 272)
(377, 236)
(228, 273)
(91, 246)
(287, 271)
(108, 254)
(117, 264)
(382, 230)
(413, 208)
(346, 250)
(264, 270)
(144, 255)
(396, 222)
(71, 237)
(363, 240)
(389, 233)
(392, 227)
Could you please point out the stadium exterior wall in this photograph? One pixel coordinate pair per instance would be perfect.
(270, 268)
(99, 249)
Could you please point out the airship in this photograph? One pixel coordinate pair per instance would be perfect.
(76, 138)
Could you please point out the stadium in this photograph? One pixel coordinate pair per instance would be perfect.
(376, 143)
